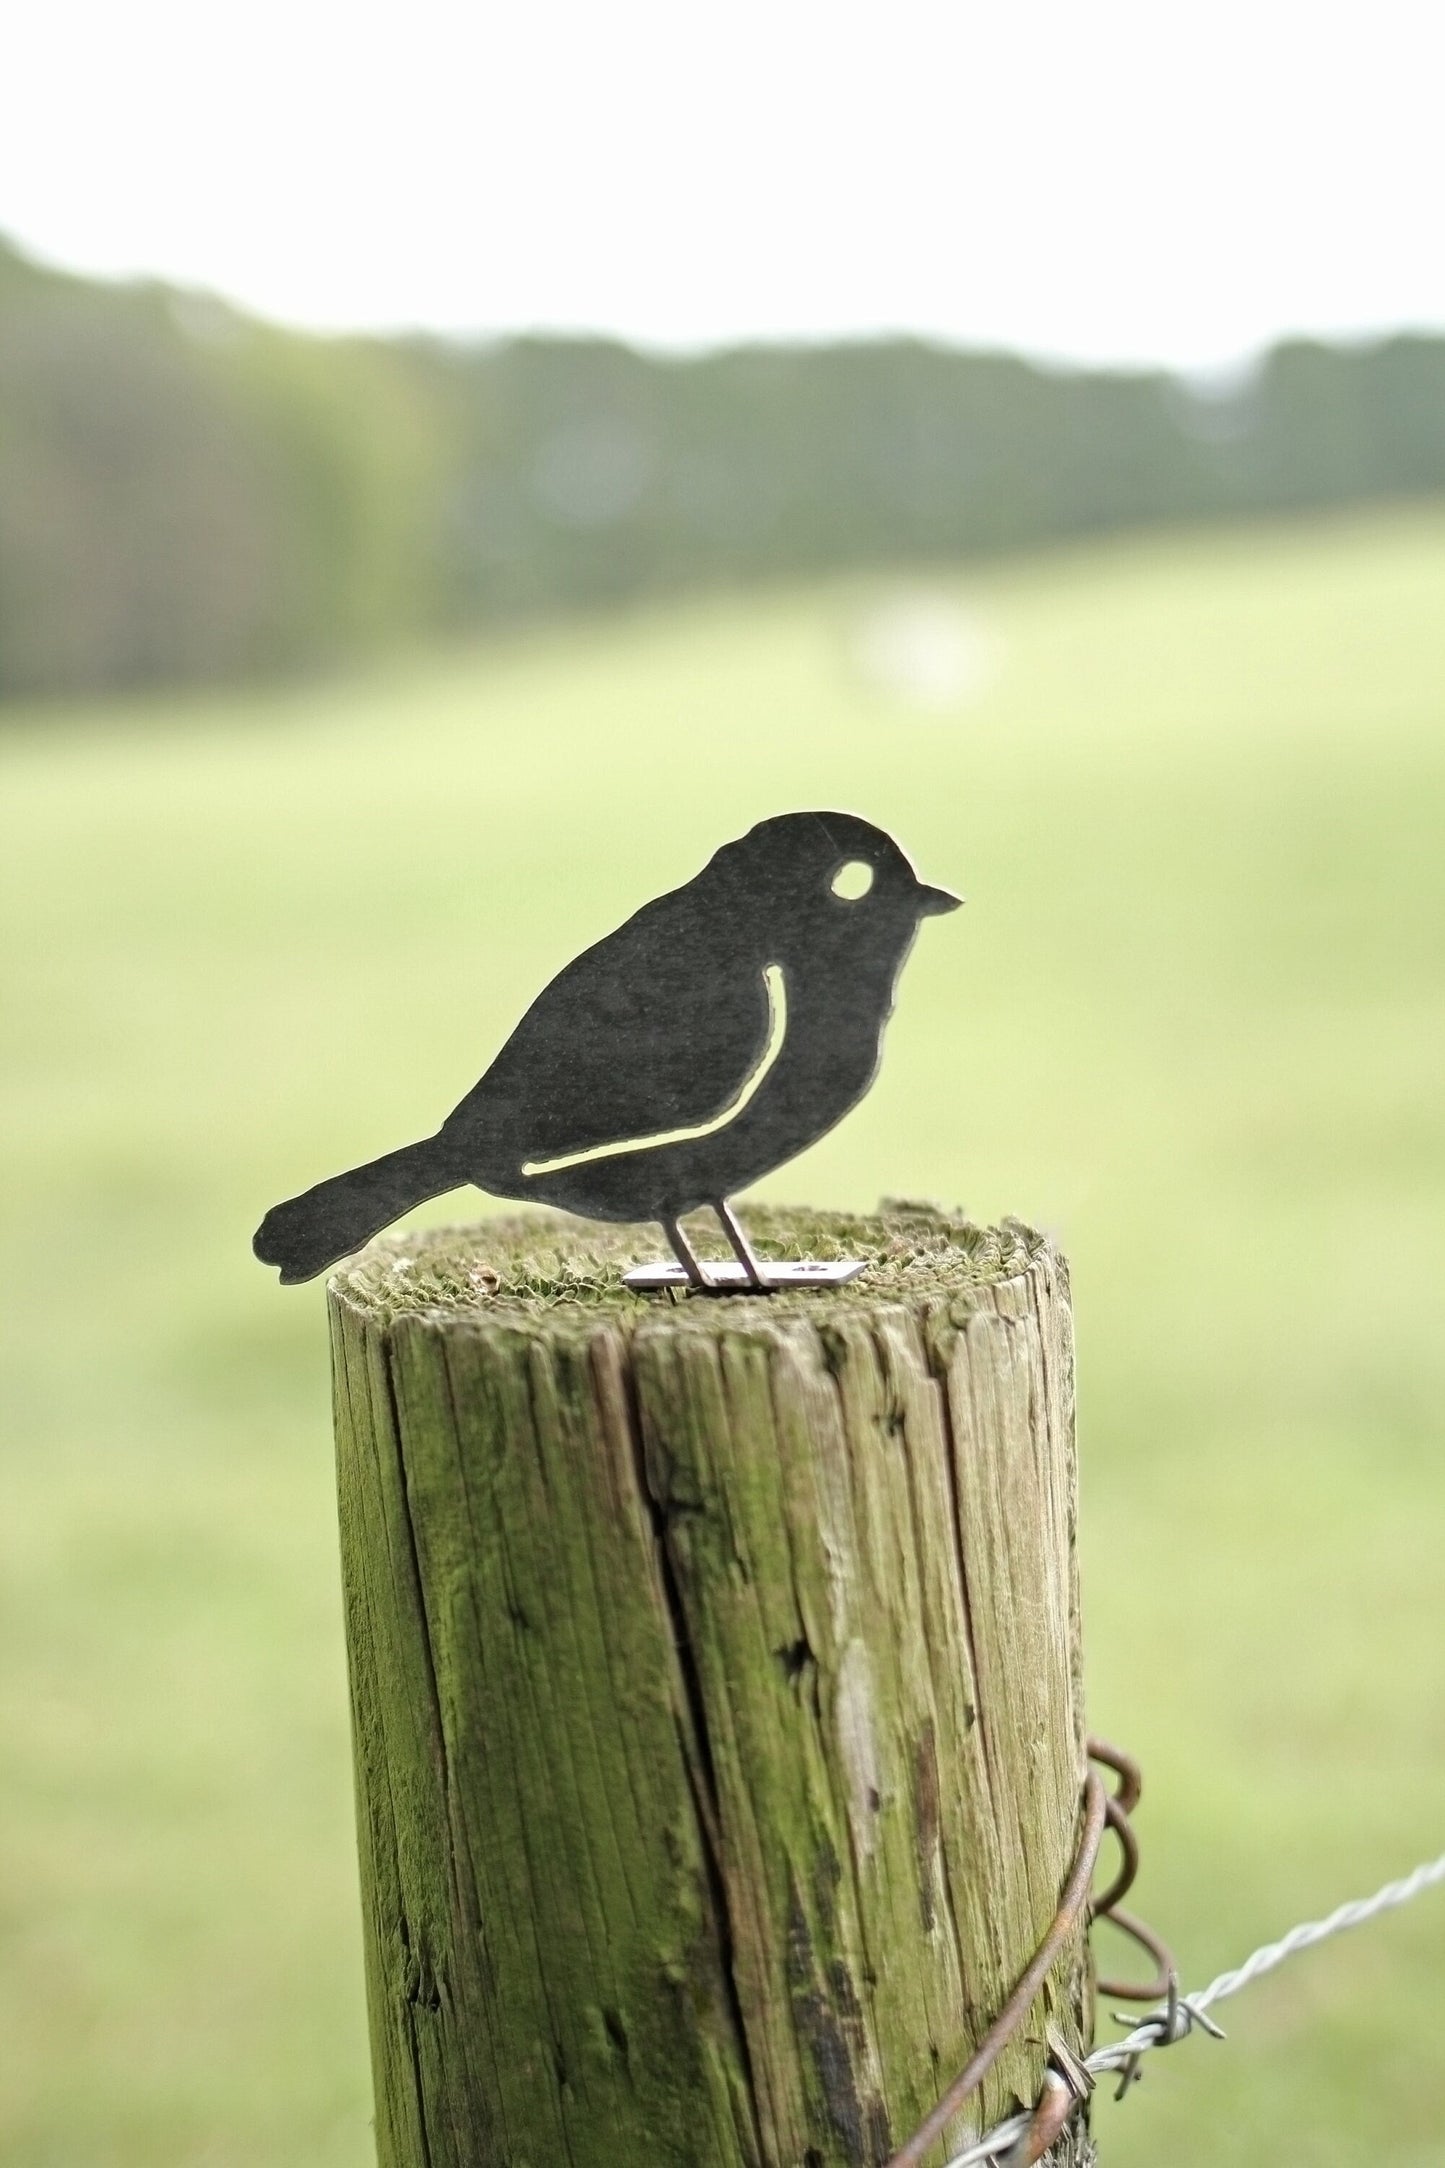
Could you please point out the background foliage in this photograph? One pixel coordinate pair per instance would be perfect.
(188, 495)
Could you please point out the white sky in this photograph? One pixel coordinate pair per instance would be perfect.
(1095, 179)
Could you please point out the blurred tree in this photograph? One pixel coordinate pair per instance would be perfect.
(187, 494)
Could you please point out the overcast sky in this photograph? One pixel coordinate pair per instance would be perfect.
(1097, 180)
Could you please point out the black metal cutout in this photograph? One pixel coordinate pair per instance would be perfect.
(721, 1030)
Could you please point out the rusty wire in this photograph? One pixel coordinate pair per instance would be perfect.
(1067, 2081)
(1109, 1905)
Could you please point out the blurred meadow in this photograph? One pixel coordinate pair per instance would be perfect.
(1192, 1021)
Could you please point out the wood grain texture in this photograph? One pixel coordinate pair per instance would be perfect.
(716, 1690)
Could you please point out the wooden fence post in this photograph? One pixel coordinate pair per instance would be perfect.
(716, 1690)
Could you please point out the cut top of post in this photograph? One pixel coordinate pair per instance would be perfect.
(530, 1266)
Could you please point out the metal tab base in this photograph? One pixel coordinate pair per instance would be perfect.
(729, 1278)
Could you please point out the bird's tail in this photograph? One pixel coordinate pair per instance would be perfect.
(324, 1224)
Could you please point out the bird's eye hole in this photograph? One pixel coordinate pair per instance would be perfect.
(852, 881)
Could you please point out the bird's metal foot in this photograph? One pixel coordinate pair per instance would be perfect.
(686, 1256)
(739, 1244)
(749, 1275)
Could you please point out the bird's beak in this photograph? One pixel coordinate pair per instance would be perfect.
(932, 902)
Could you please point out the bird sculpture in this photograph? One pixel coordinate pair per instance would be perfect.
(721, 1030)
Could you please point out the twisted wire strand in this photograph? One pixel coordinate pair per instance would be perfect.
(1163, 2026)
(1428, 1875)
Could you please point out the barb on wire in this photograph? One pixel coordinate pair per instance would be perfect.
(1178, 2018)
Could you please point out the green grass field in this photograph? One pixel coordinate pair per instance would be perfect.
(1193, 1020)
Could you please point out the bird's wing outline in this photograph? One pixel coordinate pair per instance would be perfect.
(656, 1028)
(777, 991)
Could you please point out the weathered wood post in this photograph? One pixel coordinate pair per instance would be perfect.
(715, 1681)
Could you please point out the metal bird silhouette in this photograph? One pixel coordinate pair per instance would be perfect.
(722, 1029)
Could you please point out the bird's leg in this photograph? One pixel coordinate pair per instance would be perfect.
(742, 1249)
(683, 1251)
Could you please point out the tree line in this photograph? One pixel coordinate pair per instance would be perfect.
(187, 494)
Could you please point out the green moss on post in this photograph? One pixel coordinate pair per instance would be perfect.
(715, 1681)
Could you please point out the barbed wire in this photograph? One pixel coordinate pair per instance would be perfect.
(1069, 2080)
(1354, 1914)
